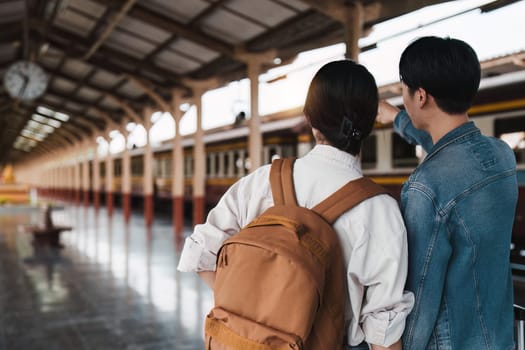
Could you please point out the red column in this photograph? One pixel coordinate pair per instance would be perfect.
(148, 209)
(96, 199)
(126, 205)
(178, 215)
(198, 210)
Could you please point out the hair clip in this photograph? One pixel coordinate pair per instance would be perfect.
(348, 130)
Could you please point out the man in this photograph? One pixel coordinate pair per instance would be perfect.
(458, 204)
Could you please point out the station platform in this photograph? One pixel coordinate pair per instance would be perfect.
(112, 285)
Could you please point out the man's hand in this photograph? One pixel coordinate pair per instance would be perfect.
(386, 113)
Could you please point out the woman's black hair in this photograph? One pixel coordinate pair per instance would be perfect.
(342, 104)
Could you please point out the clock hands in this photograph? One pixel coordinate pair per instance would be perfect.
(24, 85)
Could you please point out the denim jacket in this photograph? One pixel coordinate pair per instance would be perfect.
(459, 207)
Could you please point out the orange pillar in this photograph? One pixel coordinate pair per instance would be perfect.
(109, 181)
(177, 178)
(126, 178)
(148, 169)
(96, 178)
(85, 180)
(199, 164)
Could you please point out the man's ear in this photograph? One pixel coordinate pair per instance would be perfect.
(421, 97)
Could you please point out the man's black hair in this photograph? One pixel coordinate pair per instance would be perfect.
(448, 69)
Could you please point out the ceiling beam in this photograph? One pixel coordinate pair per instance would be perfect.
(194, 34)
(110, 28)
(76, 47)
(152, 94)
(102, 91)
(130, 112)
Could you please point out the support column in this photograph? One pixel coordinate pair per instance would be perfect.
(70, 182)
(199, 156)
(85, 180)
(177, 181)
(96, 178)
(199, 164)
(254, 63)
(353, 29)
(109, 181)
(126, 179)
(148, 169)
(255, 137)
(78, 178)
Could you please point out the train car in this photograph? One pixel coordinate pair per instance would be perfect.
(499, 111)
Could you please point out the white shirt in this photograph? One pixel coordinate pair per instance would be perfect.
(372, 236)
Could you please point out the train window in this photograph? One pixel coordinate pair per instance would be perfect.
(163, 167)
(218, 156)
(208, 164)
(369, 152)
(512, 131)
(188, 166)
(137, 166)
(516, 141)
(117, 167)
(227, 164)
(102, 167)
(168, 167)
(403, 154)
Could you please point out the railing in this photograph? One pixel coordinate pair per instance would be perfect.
(519, 315)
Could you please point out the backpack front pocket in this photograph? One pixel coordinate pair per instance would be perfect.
(228, 331)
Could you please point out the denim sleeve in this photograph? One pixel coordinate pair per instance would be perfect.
(429, 254)
(404, 127)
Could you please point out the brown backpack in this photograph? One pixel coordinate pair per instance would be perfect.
(281, 281)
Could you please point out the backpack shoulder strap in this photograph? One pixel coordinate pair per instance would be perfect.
(348, 196)
(281, 181)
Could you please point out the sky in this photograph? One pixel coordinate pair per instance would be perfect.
(491, 35)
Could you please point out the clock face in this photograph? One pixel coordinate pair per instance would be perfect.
(25, 80)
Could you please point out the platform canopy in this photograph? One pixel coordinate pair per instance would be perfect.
(95, 60)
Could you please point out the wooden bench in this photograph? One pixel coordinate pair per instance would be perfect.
(49, 236)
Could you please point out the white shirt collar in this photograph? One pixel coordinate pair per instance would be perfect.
(334, 155)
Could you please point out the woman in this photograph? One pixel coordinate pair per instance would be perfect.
(341, 107)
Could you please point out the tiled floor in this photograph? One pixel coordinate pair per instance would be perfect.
(113, 286)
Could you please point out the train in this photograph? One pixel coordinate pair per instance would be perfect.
(499, 111)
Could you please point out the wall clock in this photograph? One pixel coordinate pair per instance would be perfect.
(25, 80)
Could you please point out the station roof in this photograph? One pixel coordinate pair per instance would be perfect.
(101, 56)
